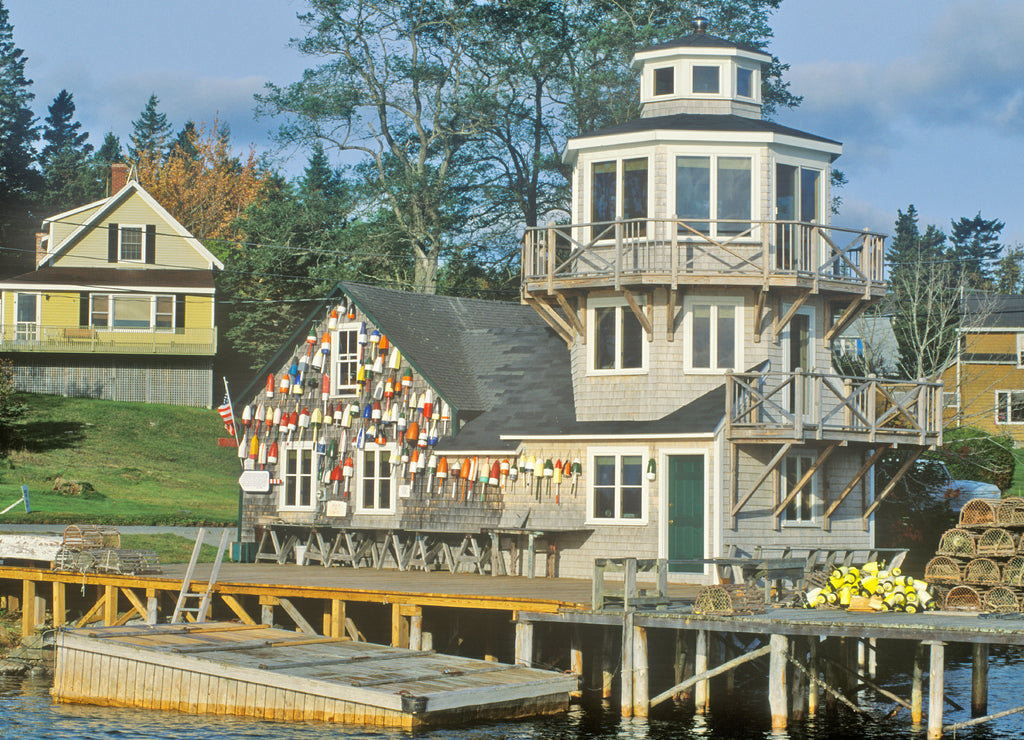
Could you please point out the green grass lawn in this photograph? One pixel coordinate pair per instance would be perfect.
(135, 463)
(1017, 487)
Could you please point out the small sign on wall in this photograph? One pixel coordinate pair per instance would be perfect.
(405, 491)
(337, 508)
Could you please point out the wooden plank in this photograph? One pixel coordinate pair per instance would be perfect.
(708, 674)
(236, 606)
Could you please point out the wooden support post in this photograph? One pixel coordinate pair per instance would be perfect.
(678, 657)
(626, 676)
(917, 686)
(799, 681)
(416, 632)
(28, 607)
(110, 605)
(576, 657)
(60, 609)
(812, 682)
(399, 626)
(641, 697)
(267, 604)
(777, 682)
(936, 683)
(152, 606)
(607, 664)
(873, 657)
(700, 665)
(718, 670)
(979, 679)
(524, 643)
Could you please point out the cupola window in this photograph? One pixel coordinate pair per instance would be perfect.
(664, 81)
(744, 83)
(705, 80)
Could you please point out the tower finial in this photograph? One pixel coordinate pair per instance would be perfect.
(700, 24)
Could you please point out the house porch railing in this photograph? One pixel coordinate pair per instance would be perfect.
(800, 406)
(676, 251)
(29, 337)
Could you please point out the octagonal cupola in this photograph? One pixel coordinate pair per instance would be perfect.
(700, 73)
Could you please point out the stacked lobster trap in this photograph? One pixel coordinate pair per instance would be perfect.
(981, 561)
(88, 548)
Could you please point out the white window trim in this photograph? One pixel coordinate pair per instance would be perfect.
(618, 452)
(815, 521)
(619, 172)
(1020, 351)
(112, 300)
(20, 326)
(713, 156)
(1008, 392)
(675, 82)
(358, 493)
(722, 92)
(714, 301)
(595, 303)
(823, 185)
(295, 448)
(336, 390)
(142, 244)
(755, 84)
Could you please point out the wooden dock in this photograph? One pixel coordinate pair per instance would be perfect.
(268, 673)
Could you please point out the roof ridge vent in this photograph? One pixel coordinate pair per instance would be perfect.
(700, 24)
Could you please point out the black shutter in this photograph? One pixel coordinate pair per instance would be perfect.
(179, 311)
(112, 243)
(83, 309)
(150, 244)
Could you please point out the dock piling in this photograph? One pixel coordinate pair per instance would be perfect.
(700, 665)
(979, 679)
(777, 699)
(936, 682)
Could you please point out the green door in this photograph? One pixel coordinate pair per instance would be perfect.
(686, 511)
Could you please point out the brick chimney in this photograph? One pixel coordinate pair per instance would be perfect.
(40, 250)
(118, 177)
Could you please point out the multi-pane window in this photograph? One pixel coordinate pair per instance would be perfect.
(714, 193)
(1009, 407)
(705, 79)
(612, 197)
(618, 339)
(618, 489)
(26, 308)
(801, 508)
(130, 243)
(664, 81)
(299, 476)
(377, 481)
(345, 348)
(713, 335)
(131, 311)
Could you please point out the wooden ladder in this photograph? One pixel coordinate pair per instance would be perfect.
(186, 593)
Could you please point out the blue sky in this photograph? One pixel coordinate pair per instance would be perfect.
(927, 97)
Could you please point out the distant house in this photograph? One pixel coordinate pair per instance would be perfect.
(985, 387)
(664, 390)
(119, 307)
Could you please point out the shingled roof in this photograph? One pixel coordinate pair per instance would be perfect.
(475, 353)
(95, 278)
(704, 122)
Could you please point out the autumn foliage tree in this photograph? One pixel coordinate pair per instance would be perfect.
(206, 188)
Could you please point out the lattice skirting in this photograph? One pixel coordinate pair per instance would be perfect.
(174, 381)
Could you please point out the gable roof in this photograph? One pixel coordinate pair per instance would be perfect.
(475, 353)
(107, 206)
(986, 311)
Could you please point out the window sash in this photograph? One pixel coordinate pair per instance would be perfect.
(377, 484)
(618, 339)
(801, 508)
(664, 81)
(131, 241)
(705, 80)
(744, 83)
(345, 349)
(1010, 407)
(299, 474)
(713, 342)
(618, 492)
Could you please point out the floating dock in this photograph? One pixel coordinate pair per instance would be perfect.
(268, 673)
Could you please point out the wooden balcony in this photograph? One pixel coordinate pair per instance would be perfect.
(800, 407)
(630, 254)
(27, 337)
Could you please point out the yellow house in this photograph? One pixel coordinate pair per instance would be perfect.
(120, 305)
(985, 387)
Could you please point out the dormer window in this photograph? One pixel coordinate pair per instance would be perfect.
(744, 83)
(705, 80)
(664, 81)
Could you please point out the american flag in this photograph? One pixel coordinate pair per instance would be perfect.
(227, 415)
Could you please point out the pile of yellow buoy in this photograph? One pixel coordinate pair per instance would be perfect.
(871, 587)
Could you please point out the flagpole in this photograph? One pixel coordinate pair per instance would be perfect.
(241, 491)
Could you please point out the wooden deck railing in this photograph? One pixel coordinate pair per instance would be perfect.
(96, 340)
(678, 251)
(807, 405)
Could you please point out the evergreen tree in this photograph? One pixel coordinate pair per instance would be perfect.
(110, 151)
(70, 177)
(18, 131)
(150, 132)
(185, 141)
(1009, 277)
(975, 244)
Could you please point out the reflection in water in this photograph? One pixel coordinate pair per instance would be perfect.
(27, 712)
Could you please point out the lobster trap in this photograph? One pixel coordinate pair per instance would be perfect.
(982, 572)
(963, 598)
(730, 599)
(979, 512)
(1001, 599)
(942, 569)
(996, 543)
(958, 543)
